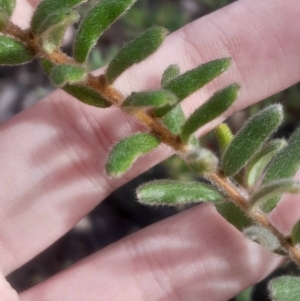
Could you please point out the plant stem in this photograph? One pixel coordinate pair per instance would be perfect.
(156, 127)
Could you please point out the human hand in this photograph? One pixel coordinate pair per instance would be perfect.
(53, 156)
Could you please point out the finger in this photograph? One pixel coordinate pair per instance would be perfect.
(55, 151)
(195, 255)
(22, 13)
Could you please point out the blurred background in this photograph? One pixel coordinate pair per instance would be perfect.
(118, 216)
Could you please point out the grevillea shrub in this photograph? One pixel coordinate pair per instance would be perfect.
(245, 183)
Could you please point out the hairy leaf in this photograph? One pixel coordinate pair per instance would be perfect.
(158, 98)
(285, 288)
(191, 81)
(95, 23)
(87, 95)
(296, 233)
(284, 165)
(213, 108)
(258, 163)
(174, 119)
(67, 74)
(135, 52)
(233, 214)
(262, 236)
(52, 31)
(6, 9)
(126, 151)
(13, 52)
(224, 136)
(168, 192)
(274, 188)
(48, 7)
(201, 160)
(169, 74)
(251, 137)
(83, 93)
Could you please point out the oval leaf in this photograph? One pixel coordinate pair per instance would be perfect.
(233, 214)
(169, 74)
(126, 151)
(146, 99)
(191, 81)
(262, 236)
(174, 120)
(251, 137)
(296, 233)
(52, 31)
(258, 163)
(95, 23)
(275, 188)
(213, 108)
(6, 9)
(87, 95)
(284, 165)
(168, 192)
(224, 136)
(48, 7)
(135, 52)
(67, 74)
(285, 288)
(13, 52)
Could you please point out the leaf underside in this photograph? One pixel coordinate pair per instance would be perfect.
(285, 288)
(169, 192)
(126, 151)
(250, 138)
(283, 165)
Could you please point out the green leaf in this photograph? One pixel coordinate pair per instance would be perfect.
(95, 23)
(233, 214)
(135, 52)
(87, 95)
(251, 137)
(47, 8)
(213, 108)
(201, 160)
(224, 136)
(263, 237)
(52, 31)
(168, 192)
(83, 93)
(258, 163)
(146, 99)
(191, 81)
(6, 10)
(13, 52)
(275, 188)
(245, 295)
(296, 233)
(67, 74)
(170, 73)
(174, 120)
(126, 151)
(283, 165)
(285, 288)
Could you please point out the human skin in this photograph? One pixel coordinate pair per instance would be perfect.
(53, 156)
